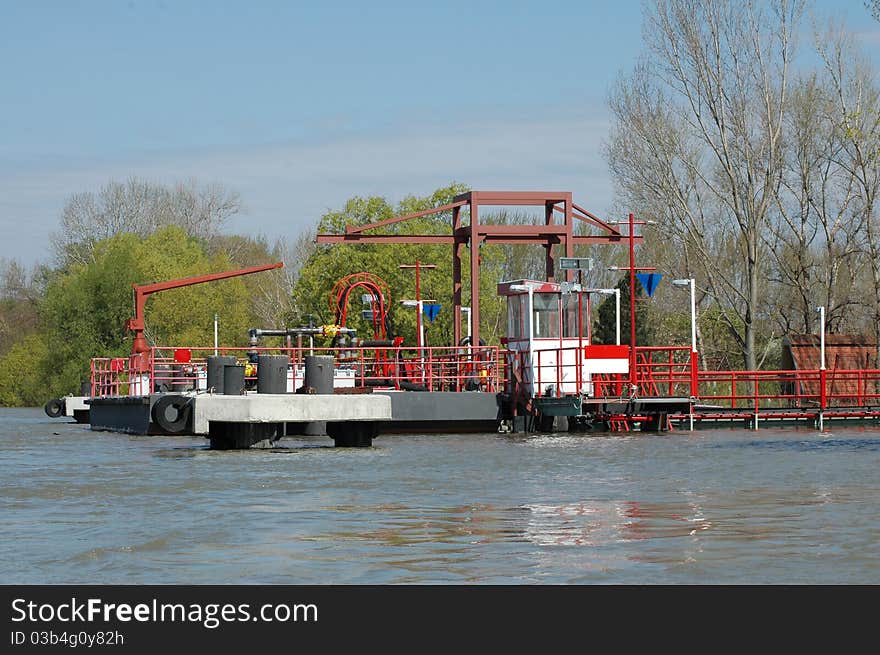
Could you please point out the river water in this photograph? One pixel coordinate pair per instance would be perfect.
(714, 506)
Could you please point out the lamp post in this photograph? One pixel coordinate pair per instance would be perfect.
(821, 311)
(418, 266)
(468, 311)
(690, 283)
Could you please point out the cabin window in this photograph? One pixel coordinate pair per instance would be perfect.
(546, 315)
(515, 316)
(570, 315)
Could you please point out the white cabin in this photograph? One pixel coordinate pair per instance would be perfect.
(548, 325)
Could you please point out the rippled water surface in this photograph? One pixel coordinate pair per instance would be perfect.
(713, 506)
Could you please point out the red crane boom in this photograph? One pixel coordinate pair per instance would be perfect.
(139, 349)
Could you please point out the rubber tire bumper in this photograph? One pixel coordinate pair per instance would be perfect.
(54, 408)
(183, 407)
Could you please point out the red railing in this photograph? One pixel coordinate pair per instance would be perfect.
(476, 368)
(661, 372)
(807, 389)
(674, 372)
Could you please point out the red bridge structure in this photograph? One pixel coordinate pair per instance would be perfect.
(550, 234)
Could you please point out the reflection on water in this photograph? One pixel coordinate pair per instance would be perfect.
(600, 524)
(724, 506)
(813, 445)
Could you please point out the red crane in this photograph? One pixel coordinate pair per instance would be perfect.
(140, 359)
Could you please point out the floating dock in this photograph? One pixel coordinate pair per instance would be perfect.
(242, 421)
(546, 375)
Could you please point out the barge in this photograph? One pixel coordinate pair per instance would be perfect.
(546, 375)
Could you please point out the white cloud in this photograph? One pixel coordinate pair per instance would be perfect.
(285, 188)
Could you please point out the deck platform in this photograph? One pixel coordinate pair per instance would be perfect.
(276, 415)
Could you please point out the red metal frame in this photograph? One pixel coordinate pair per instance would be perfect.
(548, 234)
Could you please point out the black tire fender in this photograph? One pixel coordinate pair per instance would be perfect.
(54, 408)
(172, 413)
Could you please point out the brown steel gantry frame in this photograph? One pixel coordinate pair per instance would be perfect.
(549, 234)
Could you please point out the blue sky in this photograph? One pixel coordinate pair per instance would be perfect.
(299, 106)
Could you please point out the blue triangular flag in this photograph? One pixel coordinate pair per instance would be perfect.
(431, 310)
(649, 282)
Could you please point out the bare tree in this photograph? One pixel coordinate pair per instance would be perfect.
(697, 139)
(20, 292)
(274, 303)
(856, 99)
(139, 207)
(816, 236)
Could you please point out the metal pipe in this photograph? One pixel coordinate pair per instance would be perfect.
(693, 317)
(617, 313)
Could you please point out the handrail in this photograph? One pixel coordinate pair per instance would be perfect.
(662, 372)
(478, 368)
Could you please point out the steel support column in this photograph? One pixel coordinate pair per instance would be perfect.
(549, 261)
(456, 276)
(569, 237)
(475, 268)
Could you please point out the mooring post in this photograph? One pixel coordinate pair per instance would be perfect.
(318, 379)
(233, 380)
(216, 364)
(272, 373)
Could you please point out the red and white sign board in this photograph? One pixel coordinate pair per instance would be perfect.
(606, 359)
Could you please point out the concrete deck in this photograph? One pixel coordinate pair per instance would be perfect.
(288, 408)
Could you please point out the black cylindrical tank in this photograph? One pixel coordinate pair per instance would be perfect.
(216, 363)
(318, 379)
(319, 373)
(272, 373)
(233, 380)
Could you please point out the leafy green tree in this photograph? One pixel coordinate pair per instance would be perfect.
(21, 369)
(85, 310)
(604, 328)
(185, 316)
